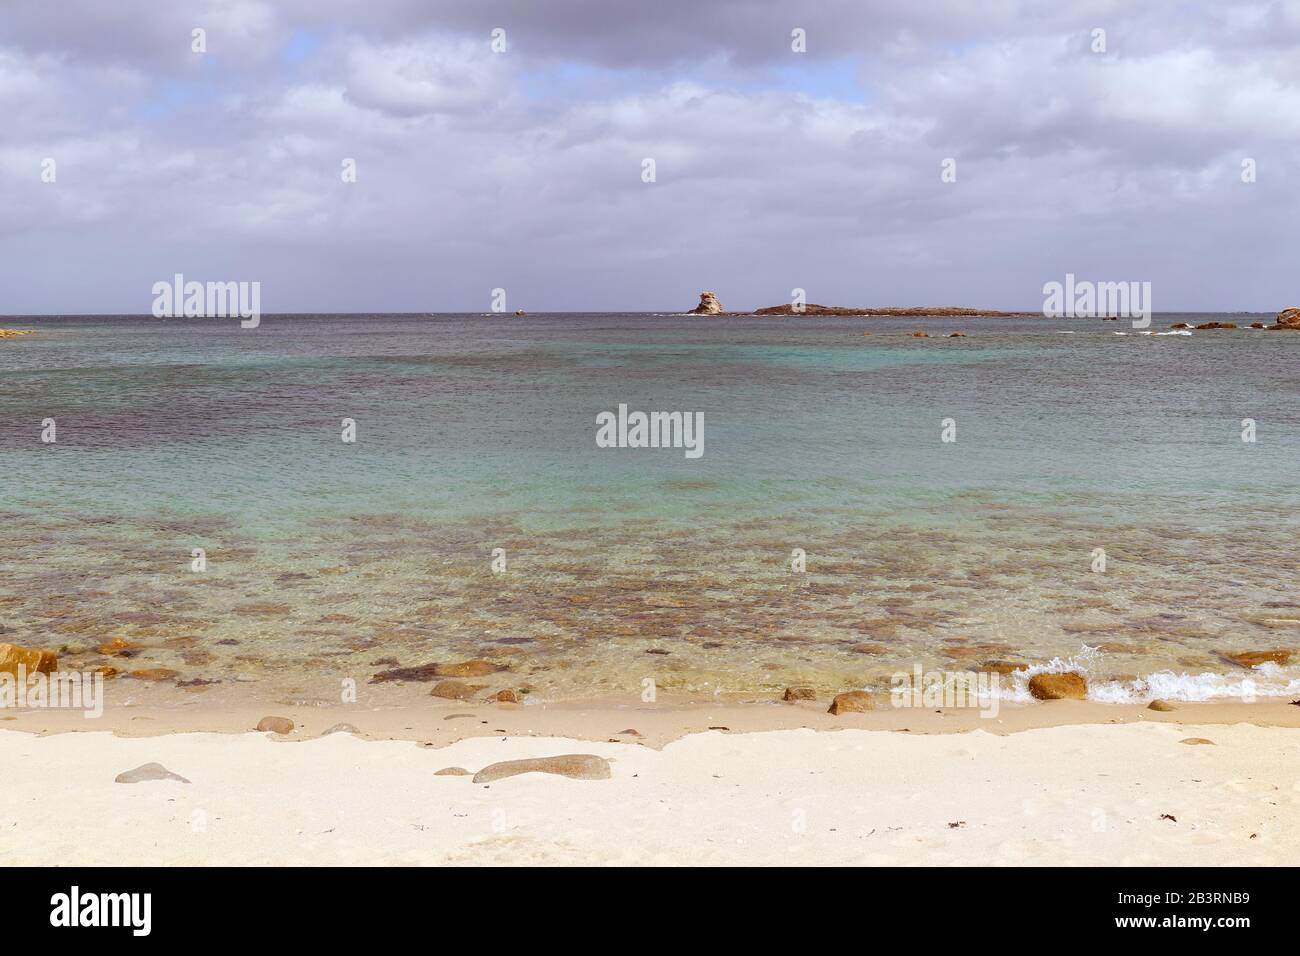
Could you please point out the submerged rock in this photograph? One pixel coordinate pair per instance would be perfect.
(1161, 705)
(574, 766)
(451, 772)
(154, 674)
(709, 305)
(1255, 658)
(1068, 686)
(506, 696)
(799, 693)
(920, 335)
(455, 690)
(473, 668)
(148, 771)
(34, 660)
(851, 702)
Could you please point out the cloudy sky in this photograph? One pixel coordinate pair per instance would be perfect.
(522, 169)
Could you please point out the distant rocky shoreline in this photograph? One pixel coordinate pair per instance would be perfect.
(709, 305)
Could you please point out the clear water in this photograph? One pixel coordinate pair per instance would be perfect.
(475, 433)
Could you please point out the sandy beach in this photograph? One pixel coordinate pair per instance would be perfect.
(1059, 783)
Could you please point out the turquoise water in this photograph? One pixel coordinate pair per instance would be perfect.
(475, 433)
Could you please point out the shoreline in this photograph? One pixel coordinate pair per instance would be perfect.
(408, 713)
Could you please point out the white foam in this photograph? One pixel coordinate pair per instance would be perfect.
(1265, 680)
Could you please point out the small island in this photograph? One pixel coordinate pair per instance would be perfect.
(709, 305)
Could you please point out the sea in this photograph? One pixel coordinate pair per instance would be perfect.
(1038, 494)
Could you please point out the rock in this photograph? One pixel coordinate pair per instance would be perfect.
(1068, 686)
(1196, 740)
(506, 696)
(1180, 325)
(455, 690)
(1258, 325)
(14, 333)
(154, 674)
(1289, 317)
(520, 312)
(1217, 325)
(799, 693)
(118, 646)
(108, 670)
(1161, 705)
(338, 729)
(920, 335)
(869, 649)
(709, 305)
(851, 702)
(276, 725)
(148, 771)
(630, 732)
(33, 660)
(574, 766)
(474, 668)
(451, 772)
(956, 335)
(424, 672)
(1255, 658)
(1002, 667)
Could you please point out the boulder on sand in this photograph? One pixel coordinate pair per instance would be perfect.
(1067, 686)
(851, 702)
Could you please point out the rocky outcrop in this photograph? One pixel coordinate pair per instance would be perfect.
(811, 308)
(14, 333)
(1068, 686)
(709, 305)
(1287, 319)
(1217, 325)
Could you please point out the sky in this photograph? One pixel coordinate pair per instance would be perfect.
(1115, 156)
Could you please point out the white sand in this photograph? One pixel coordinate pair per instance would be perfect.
(1077, 794)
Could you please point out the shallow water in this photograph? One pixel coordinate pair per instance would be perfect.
(476, 433)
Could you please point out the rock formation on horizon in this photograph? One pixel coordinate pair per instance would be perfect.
(709, 305)
(1288, 319)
